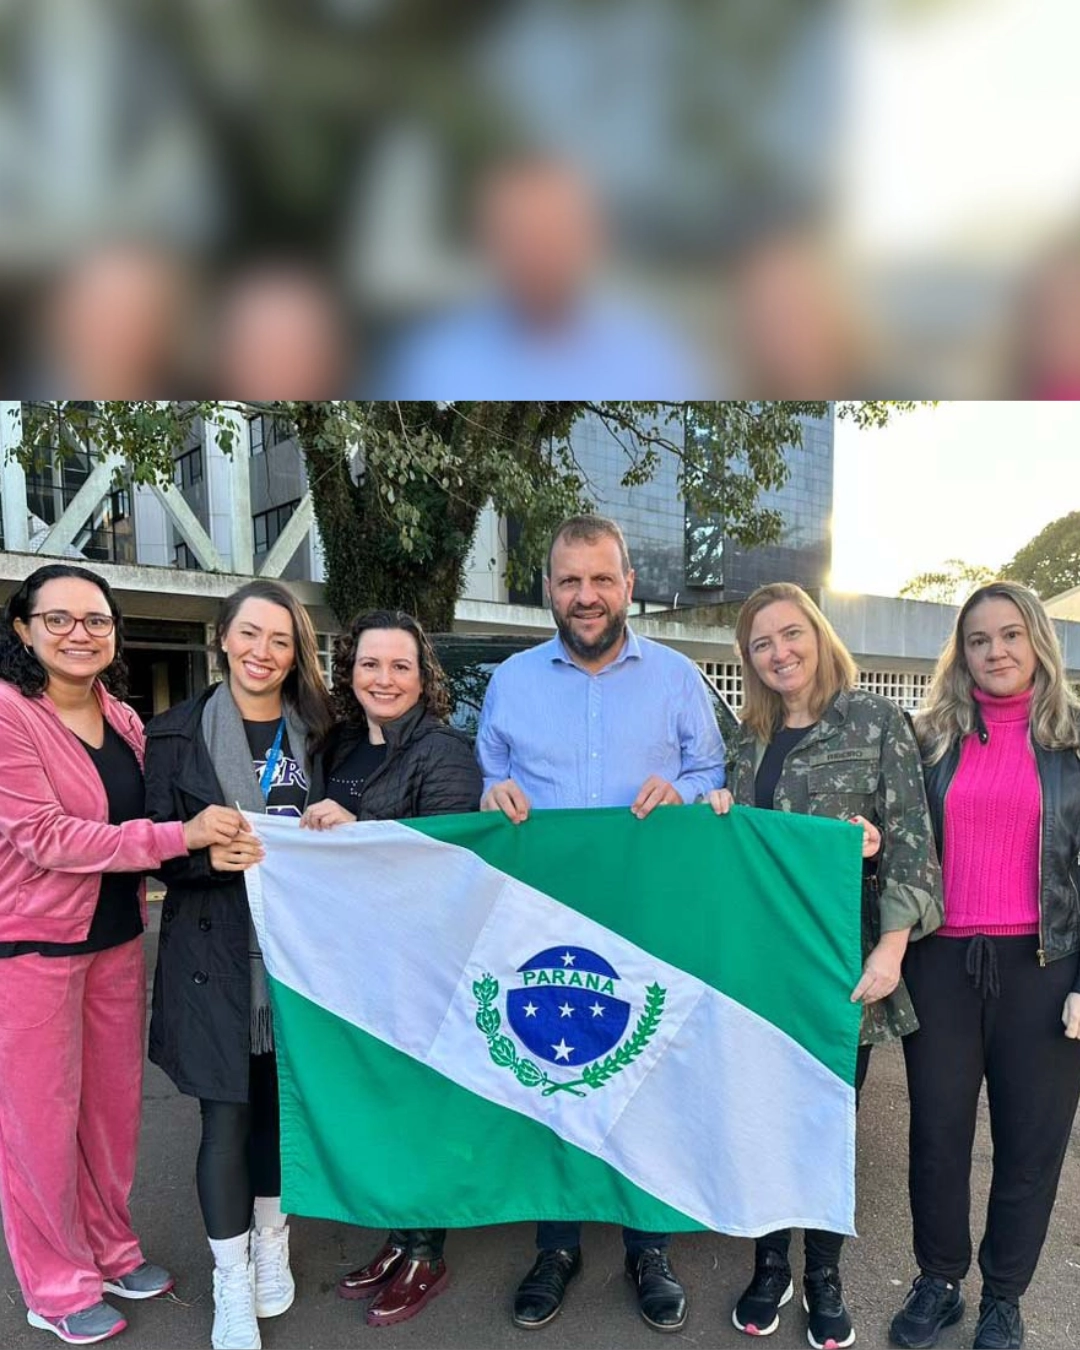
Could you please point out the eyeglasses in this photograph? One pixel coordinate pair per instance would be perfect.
(60, 623)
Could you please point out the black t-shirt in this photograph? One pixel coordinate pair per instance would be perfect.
(289, 785)
(772, 764)
(117, 918)
(347, 781)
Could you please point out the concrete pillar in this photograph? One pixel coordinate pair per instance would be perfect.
(16, 516)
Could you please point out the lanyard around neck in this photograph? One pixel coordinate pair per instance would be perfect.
(267, 775)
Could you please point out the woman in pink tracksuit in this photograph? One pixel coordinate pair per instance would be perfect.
(74, 843)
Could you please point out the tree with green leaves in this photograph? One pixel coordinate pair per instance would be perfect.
(398, 487)
(1049, 563)
(949, 584)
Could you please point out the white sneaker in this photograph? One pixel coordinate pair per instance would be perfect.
(275, 1287)
(235, 1327)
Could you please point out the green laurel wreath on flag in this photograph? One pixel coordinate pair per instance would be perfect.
(530, 1075)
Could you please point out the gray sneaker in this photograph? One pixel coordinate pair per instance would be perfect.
(145, 1281)
(83, 1327)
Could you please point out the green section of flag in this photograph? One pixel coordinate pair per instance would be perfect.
(423, 1137)
(747, 902)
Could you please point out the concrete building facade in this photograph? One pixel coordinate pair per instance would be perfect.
(173, 553)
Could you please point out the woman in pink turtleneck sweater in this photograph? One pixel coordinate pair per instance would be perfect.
(996, 989)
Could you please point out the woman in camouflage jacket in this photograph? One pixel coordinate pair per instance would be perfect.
(811, 742)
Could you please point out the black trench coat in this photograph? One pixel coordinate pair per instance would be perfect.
(200, 1023)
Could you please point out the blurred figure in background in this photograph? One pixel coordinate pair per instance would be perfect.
(343, 129)
(282, 332)
(1048, 336)
(548, 327)
(794, 332)
(117, 322)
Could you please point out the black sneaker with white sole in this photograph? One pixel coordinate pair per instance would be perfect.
(828, 1325)
(758, 1309)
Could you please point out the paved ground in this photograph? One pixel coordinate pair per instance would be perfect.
(600, 1312)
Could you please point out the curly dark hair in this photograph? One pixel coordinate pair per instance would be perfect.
(433, 693)
(18, 664)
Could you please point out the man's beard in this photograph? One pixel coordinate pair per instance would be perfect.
(609, 636)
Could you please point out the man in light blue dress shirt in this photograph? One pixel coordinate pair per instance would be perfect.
(596, 717)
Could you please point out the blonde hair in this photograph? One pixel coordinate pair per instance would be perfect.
(950, 711)
(763, 708)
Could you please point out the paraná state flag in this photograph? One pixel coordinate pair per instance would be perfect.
(585, 1016)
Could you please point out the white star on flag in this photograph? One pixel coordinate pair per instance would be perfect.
(597, 1010)
(562, 1050)
(565, 1010)
(568, 959)
(530, 1010)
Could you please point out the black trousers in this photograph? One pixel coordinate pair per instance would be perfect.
(551, 1235)
(423, 1244)
(1014, 1039)
(240, 1153)
(821, 1248)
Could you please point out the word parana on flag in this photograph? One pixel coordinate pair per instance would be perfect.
(585, 1016)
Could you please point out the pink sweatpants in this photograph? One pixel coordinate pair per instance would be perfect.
(71, 1067)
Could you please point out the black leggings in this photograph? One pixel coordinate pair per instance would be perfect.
(822, 1248)
(240, 1153)
(987, 1011)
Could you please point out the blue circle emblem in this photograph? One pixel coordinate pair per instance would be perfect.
(566, 1009)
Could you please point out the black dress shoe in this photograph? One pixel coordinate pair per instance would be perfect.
(661, 1298)
(540, 1294)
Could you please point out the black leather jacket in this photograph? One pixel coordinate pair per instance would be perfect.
(1059, 864)
(429, 769)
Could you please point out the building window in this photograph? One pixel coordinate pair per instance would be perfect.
(703, 541)
(522, 590)
(184, 559)
(726, 678)
(267, 525)
(189, 468)
(904, 687)
(268, 430)
(325, 642)
(52, 484)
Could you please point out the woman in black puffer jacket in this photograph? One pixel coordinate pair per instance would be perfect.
(392, 757)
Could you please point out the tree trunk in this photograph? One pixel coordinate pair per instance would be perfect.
(367, 566)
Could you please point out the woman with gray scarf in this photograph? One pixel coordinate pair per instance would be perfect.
(246, 742)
